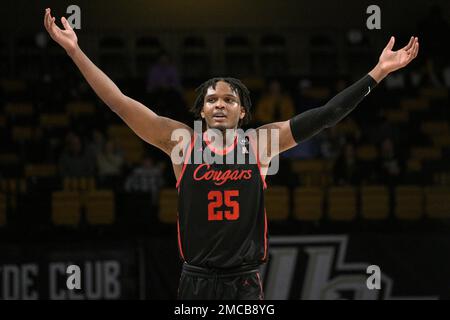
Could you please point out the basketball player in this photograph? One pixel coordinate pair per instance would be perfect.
(222, 225)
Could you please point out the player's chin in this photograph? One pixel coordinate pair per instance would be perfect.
(221, 125)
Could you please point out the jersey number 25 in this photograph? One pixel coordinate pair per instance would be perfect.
(217, 199)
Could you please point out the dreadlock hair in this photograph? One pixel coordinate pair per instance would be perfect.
(235, 84)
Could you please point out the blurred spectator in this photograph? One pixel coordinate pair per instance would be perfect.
(389, 165)
(395, 81)
(164, 90)
(148, 177)
(163, 75)
(331, 142)
(308, 149)
(97, 144)
(347, 168)
(74, 160)
(274, 105)
(109, 161)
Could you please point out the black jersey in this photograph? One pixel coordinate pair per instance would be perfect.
(222, 221)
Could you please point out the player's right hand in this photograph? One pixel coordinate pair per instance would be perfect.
(65, 38)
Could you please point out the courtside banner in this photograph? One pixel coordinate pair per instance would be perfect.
(363, 266)
(71, 272)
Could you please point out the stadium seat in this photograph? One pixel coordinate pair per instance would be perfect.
(168, 205)
(413, 104)
(22, 133)
(437, 202)
(311, 172)
(367, 152)
(40, 170)
(66, 208)
(408, 202)
(100, 207)
(426, 153)
(277, 203)
(19, 109)
(435, 128)
(396, 116)
(434, 93)
(342, 203)
(308, 203)
(79, 183)
(374, 202)
(54, 120)
(77, 108)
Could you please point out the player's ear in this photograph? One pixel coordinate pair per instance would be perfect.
(202, 114)
(242, 115)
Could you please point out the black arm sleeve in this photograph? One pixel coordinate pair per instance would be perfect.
(311, 122)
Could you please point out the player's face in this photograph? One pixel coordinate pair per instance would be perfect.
(222, 107)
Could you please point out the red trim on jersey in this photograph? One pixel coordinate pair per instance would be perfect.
(263, 177)
(179, 238)
(186, 158)
(219, 151)
(265, 235)
(260, 286)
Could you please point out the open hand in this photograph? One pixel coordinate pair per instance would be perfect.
(66, 37)
(393, 60)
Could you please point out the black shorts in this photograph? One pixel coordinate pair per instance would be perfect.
(211, 284)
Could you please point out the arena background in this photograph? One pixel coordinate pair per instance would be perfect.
(78, 187)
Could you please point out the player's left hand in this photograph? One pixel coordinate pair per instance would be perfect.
(393, 60)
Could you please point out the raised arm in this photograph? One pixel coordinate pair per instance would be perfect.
(152, 128)
(311, 122)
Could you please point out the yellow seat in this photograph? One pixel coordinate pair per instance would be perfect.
(432, 92)
(408, 202)
(277, 203)
(308, 203)
(367, 152)
(79, 183)
(374, 202)
(435, 128)
(426, 153)
(441, 141)
(10, 86)
(414, 104)
(311, 172)
(397, 115)
(21, 133)
(19, 109)
(319, 93)
(168, 205)
(347, 127)
(77, 108)
(2, 209)
(342, 203)
(66, 208)
(9, 158)
(54, 120)
(100, 207)
(437, 202)
(40, 170)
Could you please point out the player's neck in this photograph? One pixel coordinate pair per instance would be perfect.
(228, 136)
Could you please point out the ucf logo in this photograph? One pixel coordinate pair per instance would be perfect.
(315, 268)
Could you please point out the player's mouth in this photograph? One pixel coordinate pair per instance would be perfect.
(219, 116)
